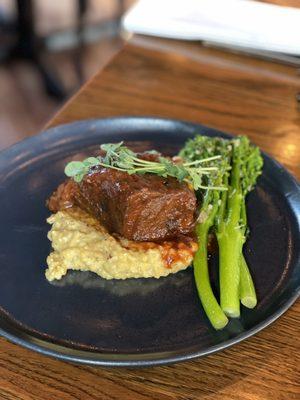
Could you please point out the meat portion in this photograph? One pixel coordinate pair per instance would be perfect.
(137, 207)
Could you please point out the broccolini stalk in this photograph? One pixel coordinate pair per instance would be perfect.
(211, 307)
(198, 148)
(230, 241)
(252, 168)
(235, 279)
(247, 290)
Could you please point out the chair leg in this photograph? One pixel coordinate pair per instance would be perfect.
(52, 84)
(82, 6)
(30, 47)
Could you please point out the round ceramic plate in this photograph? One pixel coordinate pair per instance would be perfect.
(135, 322)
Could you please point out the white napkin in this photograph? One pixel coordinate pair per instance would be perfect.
(244, 23)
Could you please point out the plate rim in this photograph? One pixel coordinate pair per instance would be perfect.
(135, 359)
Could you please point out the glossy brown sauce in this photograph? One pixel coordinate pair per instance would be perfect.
(171, 251)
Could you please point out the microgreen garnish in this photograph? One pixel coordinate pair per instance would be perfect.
(119, 157)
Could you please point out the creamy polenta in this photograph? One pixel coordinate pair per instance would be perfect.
(80, 243)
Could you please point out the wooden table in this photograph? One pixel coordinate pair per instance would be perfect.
(230, 92)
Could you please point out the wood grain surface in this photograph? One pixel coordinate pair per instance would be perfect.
(229, 92)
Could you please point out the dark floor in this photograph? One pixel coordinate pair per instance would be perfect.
(24, 105)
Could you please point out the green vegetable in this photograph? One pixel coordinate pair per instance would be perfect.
(205, 147)
(211, 307)
(238, 169)
(121, 158)
(247, 290)
(232, 224)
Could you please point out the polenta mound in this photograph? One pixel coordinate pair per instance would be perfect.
(81, 243)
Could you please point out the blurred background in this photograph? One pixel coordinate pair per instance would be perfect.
(48, 49)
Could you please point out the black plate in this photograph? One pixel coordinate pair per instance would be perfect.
(86, 319)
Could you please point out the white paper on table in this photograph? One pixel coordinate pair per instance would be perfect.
(244, 23)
